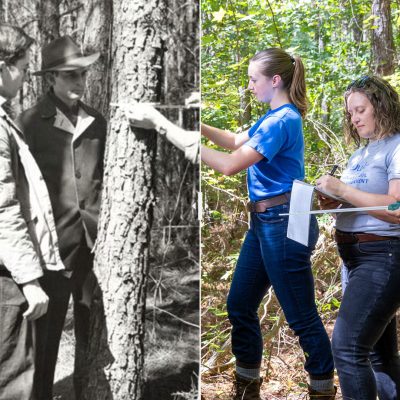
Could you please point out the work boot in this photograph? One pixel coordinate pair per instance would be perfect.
(315, 395)
(247, 389)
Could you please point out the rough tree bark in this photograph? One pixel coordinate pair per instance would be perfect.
(383, 49)
(117, 333)
(49, 23)
(2, 12)
(95, 20)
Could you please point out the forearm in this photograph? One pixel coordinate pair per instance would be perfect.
(217, 160)
(230, 163)
(360, 198)
(220, 137)
(179, 137)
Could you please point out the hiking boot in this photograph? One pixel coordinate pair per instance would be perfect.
(247, 389)
(314, 395)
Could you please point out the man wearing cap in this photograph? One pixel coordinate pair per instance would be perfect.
(67, 139)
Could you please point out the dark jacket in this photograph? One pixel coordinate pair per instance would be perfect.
(71, 161)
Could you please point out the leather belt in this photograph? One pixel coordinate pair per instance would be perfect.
(263, 205)
(351, 238)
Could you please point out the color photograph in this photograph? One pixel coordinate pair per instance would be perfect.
(301, 181)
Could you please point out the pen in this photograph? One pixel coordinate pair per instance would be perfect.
(333, 170)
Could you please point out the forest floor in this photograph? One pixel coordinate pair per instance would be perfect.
(283, 374)
(172, 340)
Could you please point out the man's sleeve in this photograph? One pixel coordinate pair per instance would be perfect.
(17, 251)
(192, 148)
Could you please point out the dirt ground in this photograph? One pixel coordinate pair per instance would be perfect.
(283, 375)
(220, 387)
(171, 345)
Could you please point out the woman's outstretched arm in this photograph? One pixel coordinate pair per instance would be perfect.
(227, 140)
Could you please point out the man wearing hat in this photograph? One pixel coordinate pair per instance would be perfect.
(67, 139)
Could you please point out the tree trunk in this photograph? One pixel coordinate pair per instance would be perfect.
(96, 20)
(2, 12)
(49, 23)
(49, 28)
(245, 107)
(383, 49)
(117, 333)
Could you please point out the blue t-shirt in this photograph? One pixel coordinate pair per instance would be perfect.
(278, 136)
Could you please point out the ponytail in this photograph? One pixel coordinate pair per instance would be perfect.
(298, 90)
(275, 61)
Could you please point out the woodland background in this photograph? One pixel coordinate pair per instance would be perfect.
(148, 231)
(338, 42)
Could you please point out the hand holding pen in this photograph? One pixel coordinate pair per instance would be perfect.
(331, 185)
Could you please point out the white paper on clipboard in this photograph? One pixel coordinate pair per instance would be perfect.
(300, 202)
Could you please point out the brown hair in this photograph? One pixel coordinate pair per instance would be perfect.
(385, 101)
(275, 61)
(14, 43)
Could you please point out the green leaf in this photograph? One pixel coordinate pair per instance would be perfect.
(219, 15)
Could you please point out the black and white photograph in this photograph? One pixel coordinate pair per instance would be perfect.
(99, 200)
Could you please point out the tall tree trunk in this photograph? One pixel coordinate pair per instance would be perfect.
(49, 22)
(383, 49)
(23, 13)
(356, 27)
(2, 12)
(96, 20)
(117, 333)
(49, 28)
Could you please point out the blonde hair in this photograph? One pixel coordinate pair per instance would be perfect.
(275, 61)
(385, 102)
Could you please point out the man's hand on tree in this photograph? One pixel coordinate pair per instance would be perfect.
(144, 116)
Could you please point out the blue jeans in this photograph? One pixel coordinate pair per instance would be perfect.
(384, 358)
(268, 258)
(368, 306)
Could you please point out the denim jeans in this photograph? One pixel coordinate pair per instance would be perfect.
(384, 358)
(369, 304)
(268, 258)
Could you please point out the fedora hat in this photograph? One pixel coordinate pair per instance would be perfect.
(63, 54)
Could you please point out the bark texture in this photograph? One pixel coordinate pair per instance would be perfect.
(122, 254)
(49, 26)
(383, 48)
(95, 21)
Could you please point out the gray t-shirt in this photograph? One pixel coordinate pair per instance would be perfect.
(370, 169)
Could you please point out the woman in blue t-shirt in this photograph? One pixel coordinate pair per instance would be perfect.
(364, 339)
(273, 153)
